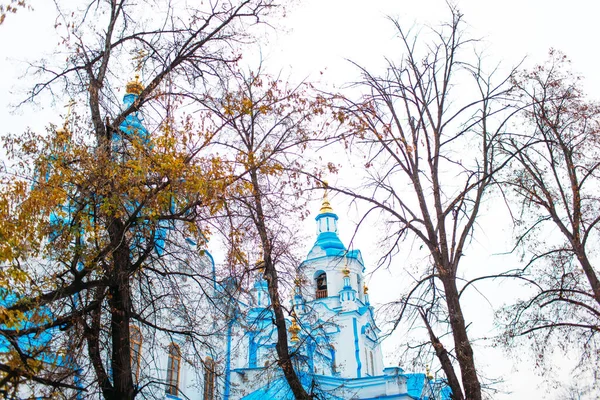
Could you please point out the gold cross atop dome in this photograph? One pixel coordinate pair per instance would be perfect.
(65, 127)
(326, 206)
(135, 86)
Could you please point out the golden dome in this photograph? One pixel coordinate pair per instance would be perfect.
(294, 329)
(135, 86)
(346, 271)
(366, 290)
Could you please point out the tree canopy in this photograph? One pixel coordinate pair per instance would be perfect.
(169, 141)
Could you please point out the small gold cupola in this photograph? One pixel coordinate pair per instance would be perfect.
(428, 373)
(346, 271)
(294, 329)
(134, 86)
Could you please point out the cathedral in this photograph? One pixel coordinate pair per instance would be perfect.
(332, 329)
(332, 333)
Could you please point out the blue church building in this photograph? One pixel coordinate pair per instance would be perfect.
(333, 335)
(332, 330)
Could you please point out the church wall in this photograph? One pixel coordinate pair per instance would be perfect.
(339, 340)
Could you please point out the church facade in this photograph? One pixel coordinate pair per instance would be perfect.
(332, 332)
(333, 336)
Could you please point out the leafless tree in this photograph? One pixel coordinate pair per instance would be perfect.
(429, 129)
(554, 176)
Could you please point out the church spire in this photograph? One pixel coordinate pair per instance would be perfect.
(132, 125)
(327, 229)
(326, 206)
(135, 87)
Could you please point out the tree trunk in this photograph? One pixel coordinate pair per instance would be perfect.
(92, 334)
(588, 270)
(119, 302)
(283, 351)
(442, 355)
(464, 351)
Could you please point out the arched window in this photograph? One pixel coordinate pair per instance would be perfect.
(321, 283)
(136, 352)
(209, 379)
(359, 288)
(173, 367)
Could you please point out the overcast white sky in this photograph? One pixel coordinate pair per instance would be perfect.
(324, 33)
(319, 36)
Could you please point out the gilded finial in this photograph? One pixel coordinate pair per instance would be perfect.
(326, 206)
(297, 281)
(365, 290)
(260, 263)
(294, 329)
(346, 271)
(135, 86)
(428, 373)
(69, 106)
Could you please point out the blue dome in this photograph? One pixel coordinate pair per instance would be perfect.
(133, 124)
(329, 240)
